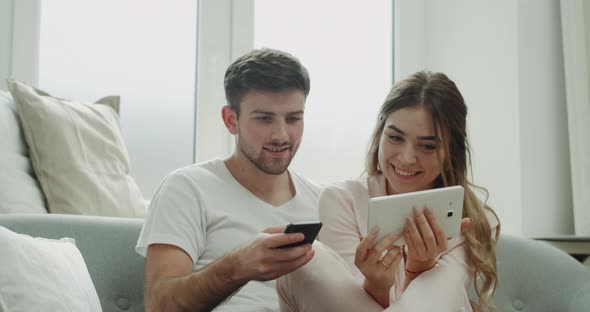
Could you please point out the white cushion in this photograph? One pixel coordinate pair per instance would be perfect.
(19, 190)
(78, 154)
(39, 274)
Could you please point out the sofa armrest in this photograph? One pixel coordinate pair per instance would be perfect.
(535, 276)
(108, 247)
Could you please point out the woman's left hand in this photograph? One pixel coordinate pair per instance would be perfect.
(425, 240)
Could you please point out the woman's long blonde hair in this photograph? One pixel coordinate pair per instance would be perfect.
(439, 95)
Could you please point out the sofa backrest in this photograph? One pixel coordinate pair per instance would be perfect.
(533, 276)
(20, 191)
(108, 247)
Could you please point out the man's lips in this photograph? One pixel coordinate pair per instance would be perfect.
(276, 149)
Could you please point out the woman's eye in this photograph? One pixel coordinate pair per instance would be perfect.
(396, 138)
(293, 119)
(428, 147)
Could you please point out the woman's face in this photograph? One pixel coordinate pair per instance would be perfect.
(408, 151)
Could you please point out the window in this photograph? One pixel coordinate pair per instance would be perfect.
(144, 51)
(347, 48)
(148, 56)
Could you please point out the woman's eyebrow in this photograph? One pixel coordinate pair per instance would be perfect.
(430, 138)
(396, 129)
(400, 131)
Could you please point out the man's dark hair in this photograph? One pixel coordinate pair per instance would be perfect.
(264, 70)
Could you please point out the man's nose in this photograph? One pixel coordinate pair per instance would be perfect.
(279, 132)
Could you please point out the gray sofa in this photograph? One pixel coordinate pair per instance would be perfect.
(108, 247)
(534, 276)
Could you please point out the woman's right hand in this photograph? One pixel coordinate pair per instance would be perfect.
(378, 264)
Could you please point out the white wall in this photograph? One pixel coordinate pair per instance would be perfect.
(503, 56)
(575, 23)
(545, 163)
(6, 9)
(586, 29)
(19, 40)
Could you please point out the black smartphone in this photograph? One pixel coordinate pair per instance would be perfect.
(309, 229)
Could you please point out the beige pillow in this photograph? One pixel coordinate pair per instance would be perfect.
(78, 154)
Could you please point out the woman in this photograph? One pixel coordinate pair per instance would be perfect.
(419, 143)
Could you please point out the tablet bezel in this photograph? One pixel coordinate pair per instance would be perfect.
(389, 213)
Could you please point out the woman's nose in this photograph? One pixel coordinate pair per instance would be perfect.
(408, 154)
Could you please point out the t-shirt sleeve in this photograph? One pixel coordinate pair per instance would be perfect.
(340, 230)
(175, 217)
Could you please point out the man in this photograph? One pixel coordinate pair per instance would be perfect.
(202, 236)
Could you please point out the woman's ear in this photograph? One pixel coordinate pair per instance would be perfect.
(230, 119)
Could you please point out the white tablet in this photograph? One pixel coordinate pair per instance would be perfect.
(389, 213)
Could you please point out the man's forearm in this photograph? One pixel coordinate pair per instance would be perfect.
(200, 291)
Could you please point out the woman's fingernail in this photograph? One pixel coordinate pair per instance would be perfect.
(375, 230)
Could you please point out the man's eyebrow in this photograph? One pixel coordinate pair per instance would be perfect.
(400, 131)
(263, 112)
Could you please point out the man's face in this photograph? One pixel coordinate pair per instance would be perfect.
(269, 128)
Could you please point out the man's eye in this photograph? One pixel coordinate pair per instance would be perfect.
(264, 118)
(293, 119)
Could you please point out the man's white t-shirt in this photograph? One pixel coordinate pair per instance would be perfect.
(205, 211)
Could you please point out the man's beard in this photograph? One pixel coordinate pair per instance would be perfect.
(272, 166)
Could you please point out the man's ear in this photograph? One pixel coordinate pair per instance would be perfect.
(230, 119)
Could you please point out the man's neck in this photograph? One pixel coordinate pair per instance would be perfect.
(273, 189)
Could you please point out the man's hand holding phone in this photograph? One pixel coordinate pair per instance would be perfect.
(309, 229)
(269, 257)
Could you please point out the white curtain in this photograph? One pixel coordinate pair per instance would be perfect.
(575, 22)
